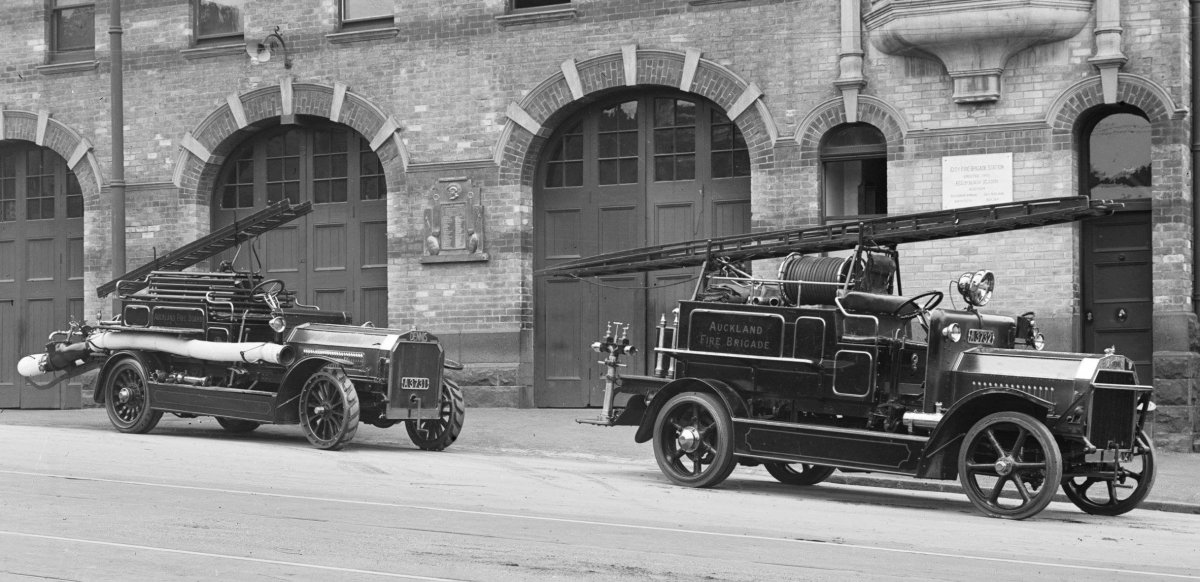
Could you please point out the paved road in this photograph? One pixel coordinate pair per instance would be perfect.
(189, 502)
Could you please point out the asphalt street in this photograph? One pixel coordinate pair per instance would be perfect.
(526, 495)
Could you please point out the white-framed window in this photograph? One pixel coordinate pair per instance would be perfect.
(854, 172)
(218, 21)
(72, 30)
(366, 13)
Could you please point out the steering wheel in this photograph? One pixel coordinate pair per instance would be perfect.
(918, 305)
(267, 288)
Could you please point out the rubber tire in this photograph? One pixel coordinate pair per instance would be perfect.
(808, 474)
(1052, 465)
(330, 429)
(134, 415)
(704, 408)
(437, 434)
(237, 425)
(1079, 497)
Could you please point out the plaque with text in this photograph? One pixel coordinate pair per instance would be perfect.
(454, 223)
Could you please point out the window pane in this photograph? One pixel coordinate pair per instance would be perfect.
(521, 4)
(664, 167)
(629, 171)
(685, 167)
(219, 17)
(574, 174)
(367, 9)
(685, 139)
(75, 28)
(339, 190)
(573, 147)
(664, 112)
(554, 176)
(320, 192)
(1119, 158)
(664, 141)
(685, 113)
(722, 137)
(609, 147)
(722, 165)
(610, 172)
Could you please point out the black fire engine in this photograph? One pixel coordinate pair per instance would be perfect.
(829, 366)
(239, 347)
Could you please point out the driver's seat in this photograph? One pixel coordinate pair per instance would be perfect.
(877, 304)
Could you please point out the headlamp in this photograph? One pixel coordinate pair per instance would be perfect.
(976, 288)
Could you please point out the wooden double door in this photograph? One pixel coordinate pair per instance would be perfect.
(334, 258)
(41, 267)
(626, 173)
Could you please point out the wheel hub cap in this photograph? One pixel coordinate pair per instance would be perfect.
(124, 395)
(319, 411)
(688, 439)
(1004, 465)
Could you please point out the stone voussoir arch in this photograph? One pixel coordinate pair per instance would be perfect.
(532, 119)
(203, 150)
(832, 113)
(43, 130)
(1151, 98)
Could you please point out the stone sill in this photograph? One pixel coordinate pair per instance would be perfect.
(537, 17)
(456, 258)
(362, 35)
(71, 67)
(711, 2)
(216, 50)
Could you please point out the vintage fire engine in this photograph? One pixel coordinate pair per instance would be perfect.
(828, 366)
(239, 347)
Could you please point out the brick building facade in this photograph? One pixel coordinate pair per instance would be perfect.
(485, 95)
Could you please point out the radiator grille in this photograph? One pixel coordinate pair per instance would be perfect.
(1112, 417)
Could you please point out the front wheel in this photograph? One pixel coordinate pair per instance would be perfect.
(798, 473)
(435, 434)
(127, 398)
(1122, 490)
(693, 440)
(329, 409)
(1009, 465)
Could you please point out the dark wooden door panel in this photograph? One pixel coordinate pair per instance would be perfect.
(1117, 290)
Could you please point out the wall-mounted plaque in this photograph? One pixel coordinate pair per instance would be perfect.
(454, 223)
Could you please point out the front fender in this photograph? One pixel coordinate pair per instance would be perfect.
(733, 402)
(940, 459)
(286, 410)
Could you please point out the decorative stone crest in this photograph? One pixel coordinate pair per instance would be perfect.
(454, 225)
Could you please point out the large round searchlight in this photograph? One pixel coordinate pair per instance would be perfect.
(976, 288)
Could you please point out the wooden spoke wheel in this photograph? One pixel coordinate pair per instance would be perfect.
(1009, 465)
(693, 440)
(329, 409)
(127, 400)
(798, 473)
(435, 434)
(237, 425)
(1114, 491)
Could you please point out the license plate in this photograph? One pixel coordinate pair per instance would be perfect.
(407, 383)
(984, 337)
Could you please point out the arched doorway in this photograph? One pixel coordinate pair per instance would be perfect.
(41, 263)
(626, 172)
(336, 257)
(1117, 255)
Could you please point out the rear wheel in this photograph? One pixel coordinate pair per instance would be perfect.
(1114, 493)
(127, 399)
(693, 440)
(1010, 465)
(237, 425)
(329, 409)
(435, 434)
(798, 473)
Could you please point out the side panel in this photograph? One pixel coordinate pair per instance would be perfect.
(838, 447)
(245, 404)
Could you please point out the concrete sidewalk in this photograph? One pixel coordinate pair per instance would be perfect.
(555, 433)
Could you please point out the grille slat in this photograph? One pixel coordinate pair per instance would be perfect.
(1112, 417)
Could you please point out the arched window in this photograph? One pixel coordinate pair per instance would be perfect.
(1117, 157)
(854, 172)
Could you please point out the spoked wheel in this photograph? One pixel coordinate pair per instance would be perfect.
(329, 409)
(1104, 493)
(798, 473)
(693, 440)
(126, 398)
(1010, 465)
(237, 425)
(435, 434)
